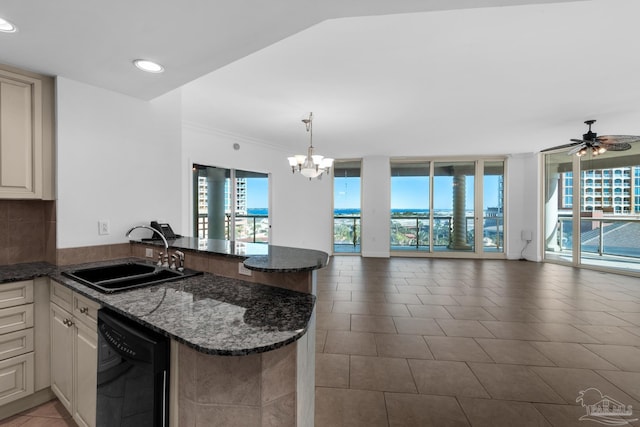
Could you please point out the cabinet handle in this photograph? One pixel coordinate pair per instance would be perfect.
(84, 310)
(68, 322)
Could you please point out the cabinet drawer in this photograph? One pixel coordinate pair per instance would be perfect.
(61, 295)
(16, 293)
(16, 378)
(85, 310)
(16, 318)
(16, 343)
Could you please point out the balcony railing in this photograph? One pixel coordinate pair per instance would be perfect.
(601, 237)
(248, 228)
(346, 234)
(412, 233)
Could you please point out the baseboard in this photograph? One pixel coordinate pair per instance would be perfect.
(17, 406)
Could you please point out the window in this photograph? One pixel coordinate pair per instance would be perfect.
(434, 205)
(230, 204)
(409, 205)
(607, 217)
(346, 206)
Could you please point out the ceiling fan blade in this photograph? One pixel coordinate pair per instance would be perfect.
(617, 146)
(558, 147)
(614, 139)
(577, 148)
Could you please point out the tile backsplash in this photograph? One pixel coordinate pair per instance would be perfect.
(27, 231)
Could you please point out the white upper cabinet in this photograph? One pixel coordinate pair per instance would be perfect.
(26, 135)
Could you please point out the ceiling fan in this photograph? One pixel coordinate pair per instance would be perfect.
(594, 144)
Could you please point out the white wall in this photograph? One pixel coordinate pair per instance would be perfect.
(300, 210)
(522, 198)
(376, 202)
(118, 159)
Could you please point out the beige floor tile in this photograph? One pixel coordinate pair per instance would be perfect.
(333, 321)
(445, 378)
(406, 346)
(368, 296)
(383, 309)
(332, 370)
(477, 301)
(350, 307)
(602, 318)
(381, 374)
(513, 352)
(633, 318)
(417, 326)
(15, 421)
(324, 306)
(456, 349)
(430, 299)
(402, 298)
(321, 337)
(564, 415)
(344, 342)
(49, 422)
(446, 290)
(500, 413)
(429, 311)
(353, 408)
(331, 295)
(571, 355)
(610, 334)
(563, 332)
(411, 410)
(624, 357)
(568, 382)
(51, 409)
(554, 316)
(381, 324)
(629, 382)
(512, 330)
(469, 313)
(514, 382)
(464, 328)
(511, 314)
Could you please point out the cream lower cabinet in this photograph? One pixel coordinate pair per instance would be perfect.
(16, 341)
(74, 353)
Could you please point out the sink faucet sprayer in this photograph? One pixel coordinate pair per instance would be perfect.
(164, 240)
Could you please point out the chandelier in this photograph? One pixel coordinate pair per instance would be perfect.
(312, 165)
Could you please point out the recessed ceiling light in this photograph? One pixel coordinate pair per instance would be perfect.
(148, 66)
(6, 26)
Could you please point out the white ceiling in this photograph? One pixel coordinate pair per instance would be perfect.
(382, 77)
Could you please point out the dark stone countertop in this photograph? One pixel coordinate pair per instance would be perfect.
(210, 313)
(256, 256)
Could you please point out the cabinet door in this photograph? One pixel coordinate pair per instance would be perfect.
(86, 364)
(20, 136)
(62, 333)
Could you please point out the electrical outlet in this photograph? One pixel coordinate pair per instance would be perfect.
(243, 270)
(148, 252)
(526, 235)
(103, 227)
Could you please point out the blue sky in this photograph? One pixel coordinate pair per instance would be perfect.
(408, 193)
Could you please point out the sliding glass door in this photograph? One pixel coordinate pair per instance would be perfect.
(230, 204)
(447, 206)
(592, 209)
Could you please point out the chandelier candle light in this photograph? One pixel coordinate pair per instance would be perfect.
(311, 165)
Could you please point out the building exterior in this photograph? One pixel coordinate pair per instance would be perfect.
(612, 191)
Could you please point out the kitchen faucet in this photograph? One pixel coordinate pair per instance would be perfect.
(164, 240)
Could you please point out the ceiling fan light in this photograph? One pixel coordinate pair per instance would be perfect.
(7, 27)
(601, 149)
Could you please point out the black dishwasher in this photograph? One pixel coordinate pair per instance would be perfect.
(133, 374)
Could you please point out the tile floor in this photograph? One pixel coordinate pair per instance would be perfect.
(441, 342)
(50, 414)
(407, 342)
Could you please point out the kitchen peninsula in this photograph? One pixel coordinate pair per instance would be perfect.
(242, 352)
(280, 266)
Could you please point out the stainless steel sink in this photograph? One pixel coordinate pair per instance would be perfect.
(125, 276)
